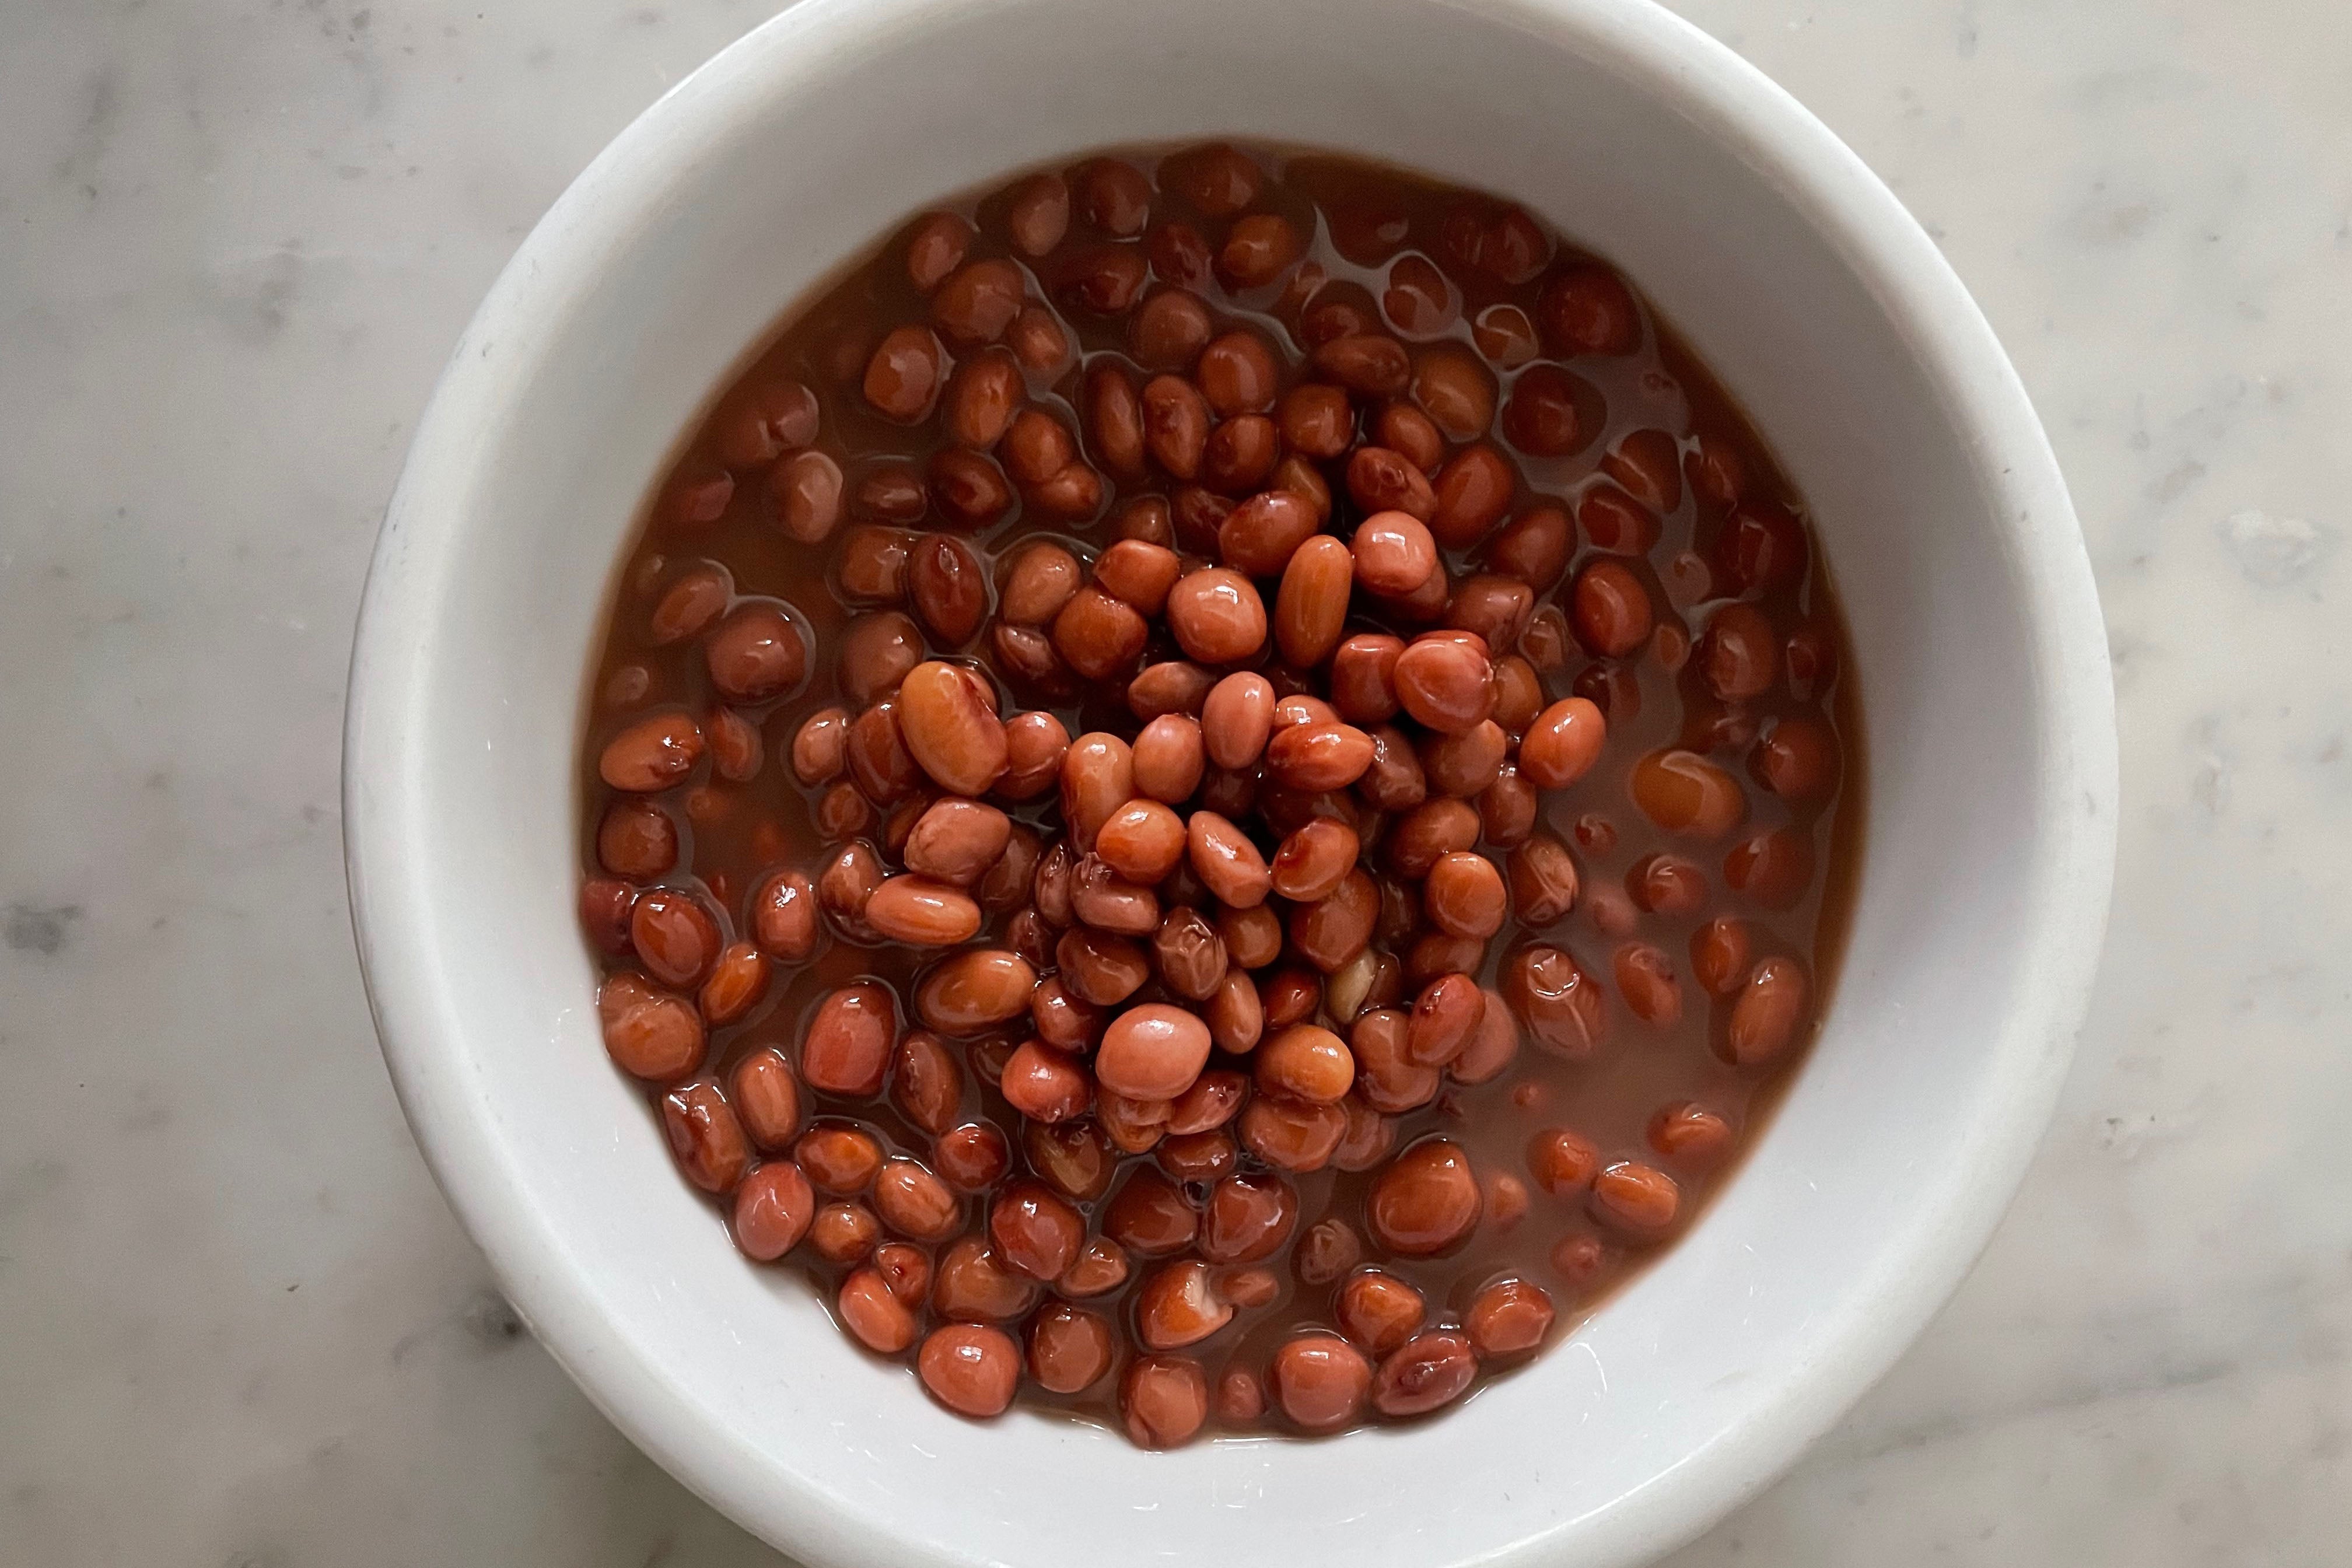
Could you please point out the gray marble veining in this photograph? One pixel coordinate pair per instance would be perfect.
(237, 1324)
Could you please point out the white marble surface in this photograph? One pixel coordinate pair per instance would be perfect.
(238, 1326)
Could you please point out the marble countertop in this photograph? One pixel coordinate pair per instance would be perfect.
(239, 1327)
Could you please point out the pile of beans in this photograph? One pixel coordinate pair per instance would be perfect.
(1217, 794)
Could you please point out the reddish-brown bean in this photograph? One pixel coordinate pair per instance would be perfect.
(1141, 840)
(936, 246)
(738, 983)
(1364, 678)
(1380, 479)
(1311, 609)
(767, 1099)
(839, 1161)
(846, 1047)
(1768, 1012)
(705, 1136)
(1473, 491)
(636, 840)
(1378, 1311)
(1425, 1374)
(874, 1314)
(1559, 1003)
(1035, 745)
(1508, 1317)
(1163, 1400)
(1444, 1020)
(1217, 615)
(651, 754)
(1097, 778)
(1611, 609)
(1138, 573)
(1039, 582)
(1319, 1381)
(1216, 178)
(1370, 364)
(1260, 536)
(1292, 1134)
(1316, 421)
(1152, 1052)
(1312, 861)
(805, 495)
(1171, 328)
(1463, 894)
(1167, 758)
(970, 1158)
(675, 935)
(974, 989)
(922, 912)
(1405, 429)
(1069, 1348)
(1307, 1063)
(1236, 1013)
(1588, 310)
(1225, 860)
(1337, 927)
(1492, 1049)
(970, 1368)
(1246, 1219)
(1175, 424)
(1637, 1198)
(1563, 743)
(1188, 954)
(1427, 1200)
(1258, 249)
(1445, 681)
(1177, 1304)
(1646, 978)
(1393, 553)
(1541, 880)
(1797, 758)
(1043, 1084)
(1318, 756)
(1684, 794)
(1235, 719)
(773, 1208)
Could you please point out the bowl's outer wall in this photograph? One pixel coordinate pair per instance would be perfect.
(1824, 309)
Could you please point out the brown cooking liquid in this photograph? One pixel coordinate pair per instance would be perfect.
(1384, 240)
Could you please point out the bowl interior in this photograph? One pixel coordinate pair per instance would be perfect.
(1793, 274)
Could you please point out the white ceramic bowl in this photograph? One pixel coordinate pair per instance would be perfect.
(1797, 277)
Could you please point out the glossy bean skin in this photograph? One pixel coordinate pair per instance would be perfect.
(1311, 609)
(1386, 677)
(1319, 1382)
(846, 1048)
(972, 1369)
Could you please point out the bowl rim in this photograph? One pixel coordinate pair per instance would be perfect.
(609, 202)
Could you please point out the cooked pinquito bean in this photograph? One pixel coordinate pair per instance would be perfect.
(1280, 484)
(705, 1136)
(1097, 778)
(922, 911)
(1236, 1013)
(1311, 608)
(773, 1211)
(956, 839)
(1168, 758)
(1305, 1063)
(1319, 1382)
(1768, 1012)
(1236, 718)
(1173, 686)
(1312, 861)
(1100, 970)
